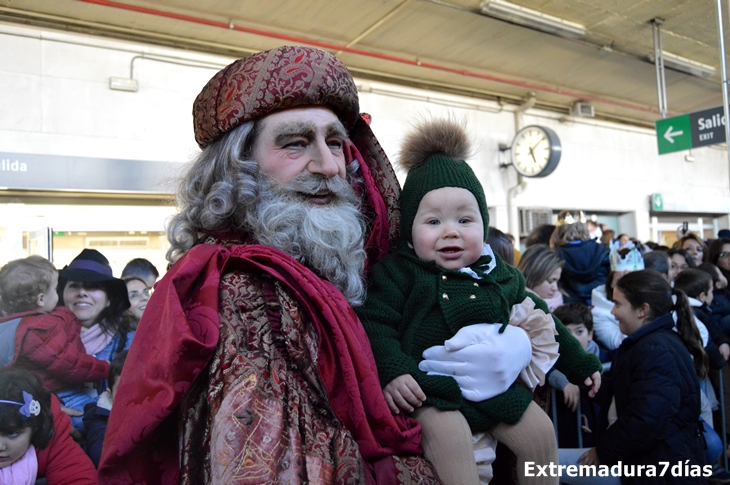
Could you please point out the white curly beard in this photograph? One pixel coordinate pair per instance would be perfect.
(326, 238)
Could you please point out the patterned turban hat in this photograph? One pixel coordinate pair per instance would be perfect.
(293, 76)
(285, 77)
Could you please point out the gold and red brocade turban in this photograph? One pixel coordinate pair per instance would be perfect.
(262, 83)
(297, 76)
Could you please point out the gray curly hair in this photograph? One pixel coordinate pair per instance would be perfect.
(225, 192)
(220, 182)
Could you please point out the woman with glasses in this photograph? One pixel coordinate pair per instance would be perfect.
(139, 294)
(719, 255)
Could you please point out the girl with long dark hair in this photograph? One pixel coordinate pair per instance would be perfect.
(655, 384)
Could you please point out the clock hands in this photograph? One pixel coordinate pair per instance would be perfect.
(532, 151)
(535, 151)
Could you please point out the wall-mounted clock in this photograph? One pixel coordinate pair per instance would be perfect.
(535, 151)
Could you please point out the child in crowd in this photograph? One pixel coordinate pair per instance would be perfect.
(578, 320)
(586, 261)
(660, 262)
(623, 260)
(541, 266)
(139, 295)
(540, 235)
(697, 285)
(442, 281)
(35, 439)
(96, 416)
(143, 269)
(718, 279)
(720, 305)
(501, 245)
(680, 261)
(35, 336)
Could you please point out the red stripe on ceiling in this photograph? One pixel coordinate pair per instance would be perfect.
(360, 52)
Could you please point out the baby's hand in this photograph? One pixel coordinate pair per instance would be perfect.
(571, 396)
(594, 382)
(404, 393)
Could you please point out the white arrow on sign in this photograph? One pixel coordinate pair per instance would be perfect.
(669, 135)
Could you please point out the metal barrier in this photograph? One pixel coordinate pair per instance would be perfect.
(578, 413)
(723, 433)
(554, 411)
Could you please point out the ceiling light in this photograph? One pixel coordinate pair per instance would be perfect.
(123, 84)
(683, 64)
(531, 18)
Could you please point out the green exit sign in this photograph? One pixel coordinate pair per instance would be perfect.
(691, 130)
(657, 202)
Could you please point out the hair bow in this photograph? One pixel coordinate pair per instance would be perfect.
(29, 407)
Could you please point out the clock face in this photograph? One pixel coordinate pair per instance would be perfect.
(535, 151)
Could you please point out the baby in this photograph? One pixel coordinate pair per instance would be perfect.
(442, 279)
(37, 337)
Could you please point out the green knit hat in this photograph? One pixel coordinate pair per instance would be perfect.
(434, 156)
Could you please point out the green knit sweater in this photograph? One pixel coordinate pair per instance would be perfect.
(413, 304)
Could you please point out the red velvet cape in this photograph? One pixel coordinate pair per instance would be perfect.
(178, 336)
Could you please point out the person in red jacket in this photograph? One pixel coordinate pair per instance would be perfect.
(35, 439)
(37, 338)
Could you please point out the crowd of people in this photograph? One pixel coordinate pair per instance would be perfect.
(593, 297)
(319, 324)
(65, 335)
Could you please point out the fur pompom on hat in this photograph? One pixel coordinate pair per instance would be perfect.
(433, 156)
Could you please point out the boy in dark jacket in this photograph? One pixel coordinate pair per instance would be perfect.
(96, 416)
(720, 304)
(578, 319)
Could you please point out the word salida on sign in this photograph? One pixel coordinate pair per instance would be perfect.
(16, 166)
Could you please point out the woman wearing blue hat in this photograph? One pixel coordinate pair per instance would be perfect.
(88, 288)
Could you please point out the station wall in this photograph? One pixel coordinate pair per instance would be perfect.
(56, 100)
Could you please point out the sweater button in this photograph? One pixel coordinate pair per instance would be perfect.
(445, 296)
(443, 277)
(472, 297)
(476, 284)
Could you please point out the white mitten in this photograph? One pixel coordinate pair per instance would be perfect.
(482, 361)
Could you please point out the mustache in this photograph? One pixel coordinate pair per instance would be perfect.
(315, 184)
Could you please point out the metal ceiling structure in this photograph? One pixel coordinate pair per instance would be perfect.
(447, 45)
